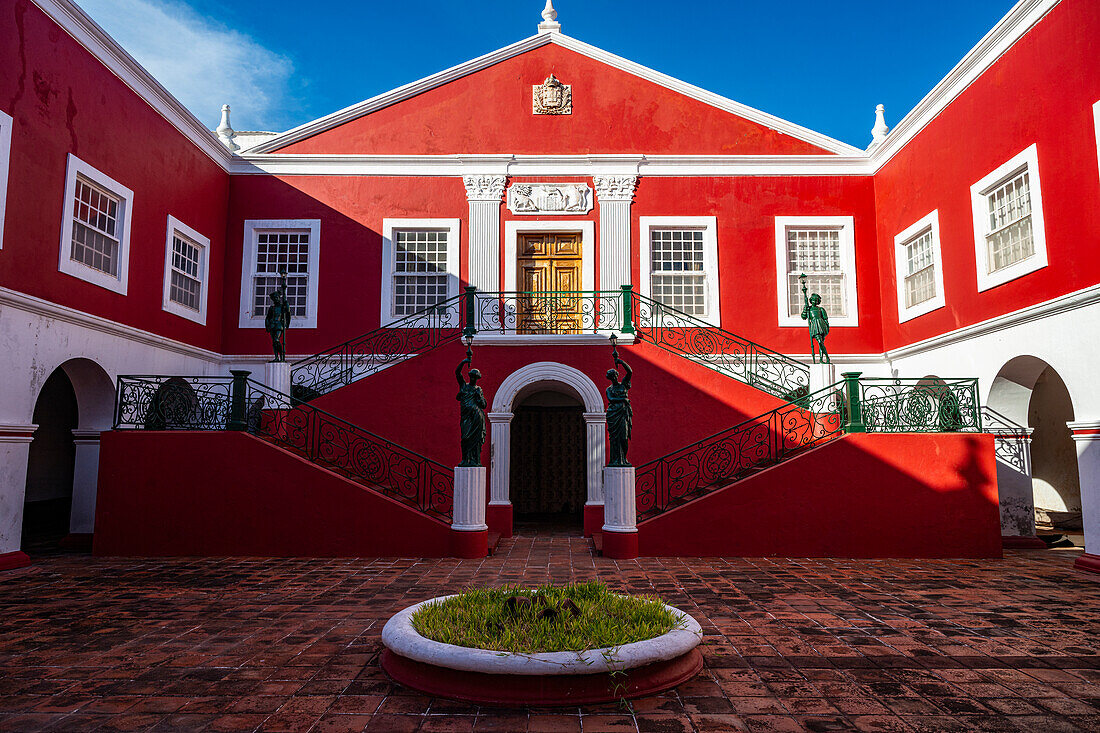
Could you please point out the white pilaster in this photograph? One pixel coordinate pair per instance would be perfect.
(821, 376)
(1086, 436)
(469, 507)
(614, 194)
(1014, 488)
(484, 193)
(500, 451)
(85, 481)
(619, 512)
(15, 444)
(595, 426)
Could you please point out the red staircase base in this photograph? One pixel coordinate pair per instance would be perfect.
(1087, 563)
(12, 560)
(620, 545)
(469, 545)
(593, 519)
(499, 519)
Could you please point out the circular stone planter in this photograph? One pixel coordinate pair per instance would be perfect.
(506, 679)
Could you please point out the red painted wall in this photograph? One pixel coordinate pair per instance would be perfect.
(904, 495)
(613, 112)
(65, 101)
(235, 494)
(1041, 91)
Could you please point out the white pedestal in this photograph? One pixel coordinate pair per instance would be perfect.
(277, 377)
(619, 512)
(1086, 436)
(821, 376)
(15, 444)
(469, 508)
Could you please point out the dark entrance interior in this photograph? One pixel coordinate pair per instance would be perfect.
(49, 492)
(548, 481)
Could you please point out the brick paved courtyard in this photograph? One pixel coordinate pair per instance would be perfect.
(292, 645)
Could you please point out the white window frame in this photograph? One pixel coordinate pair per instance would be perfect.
(846, 226)
(248, 269)
(76, 167)
(1096, 124)
(389, 258)
(175, 226)
(709, 226)
(6, 125)
(1027, 159)
(928, 222)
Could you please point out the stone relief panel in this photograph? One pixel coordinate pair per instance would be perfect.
(549, 198)
(552, 97)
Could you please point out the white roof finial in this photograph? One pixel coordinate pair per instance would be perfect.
(878, 132)
(225, 132)
(549, 22)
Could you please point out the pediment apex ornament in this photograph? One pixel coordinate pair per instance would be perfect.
(615, 188)
(484, 187)
(549, 198)
(552, 97)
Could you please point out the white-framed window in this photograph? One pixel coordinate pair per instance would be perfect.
(6, 125)
(95, 228)
(1009, 235)
(186, 265)
(823, 248)
(419, 265)
(271, 245)
(918, 265)
(1096, 124)
(679, 264)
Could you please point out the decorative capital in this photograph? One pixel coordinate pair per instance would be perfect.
(615, 188)
(484, 188)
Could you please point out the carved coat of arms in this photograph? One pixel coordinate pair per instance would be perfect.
(552, 97)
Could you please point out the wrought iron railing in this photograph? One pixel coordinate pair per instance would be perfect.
(928, 405)
(239, 403)
(552, 312)
(735, 453)
(718, 349)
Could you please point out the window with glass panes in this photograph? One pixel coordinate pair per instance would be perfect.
(281, 250)
(676, 271)
(185, 287)
(420, 269)
(95, 225)
(1009, 238)
(816, 252)
(920, 280)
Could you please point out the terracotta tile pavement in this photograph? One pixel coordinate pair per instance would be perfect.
(234, 644)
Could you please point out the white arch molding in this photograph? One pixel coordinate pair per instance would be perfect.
(550, 376)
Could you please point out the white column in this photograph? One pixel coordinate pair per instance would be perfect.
(500, 456)
(595, 427)
(619, 512)
(1014, 489)
(484, 193)
(469, 506)
(1086, 436)
(15, 444)
(821, 376)
(85, 481)
(614, 194)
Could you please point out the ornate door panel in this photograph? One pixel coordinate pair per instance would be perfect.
(549, 270)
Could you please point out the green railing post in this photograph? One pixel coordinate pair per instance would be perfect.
(628, 308)
(855, 408)
(470, 328)
(238, 398)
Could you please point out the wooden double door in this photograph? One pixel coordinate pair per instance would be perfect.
(549, 269)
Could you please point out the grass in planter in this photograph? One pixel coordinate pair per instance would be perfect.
(584, 616)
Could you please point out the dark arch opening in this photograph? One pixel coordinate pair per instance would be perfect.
(548, 477)
(48, 496)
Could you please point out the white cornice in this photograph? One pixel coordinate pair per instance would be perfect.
(482, 62)
(88, 34)
(1010, 29)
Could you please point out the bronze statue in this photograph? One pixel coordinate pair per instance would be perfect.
(471, 406)
(818, 321)
(619, 415)
(277, 319)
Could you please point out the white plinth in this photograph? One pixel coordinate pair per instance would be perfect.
(469, 510)
(619, 512)
(821, 376)
(277, 376)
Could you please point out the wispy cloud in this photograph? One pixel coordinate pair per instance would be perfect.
(201, 62)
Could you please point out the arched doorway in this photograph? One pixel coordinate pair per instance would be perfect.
(48, 496)
(547, 476)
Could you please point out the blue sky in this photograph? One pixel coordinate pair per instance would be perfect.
(824, 65)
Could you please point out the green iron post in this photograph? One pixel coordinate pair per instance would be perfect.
(470, 329)
(628, 308)
(238, 398)
(855, 409)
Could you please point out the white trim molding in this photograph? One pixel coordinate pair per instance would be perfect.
(929, 223)
(6, 125)
(513, 228)
(190, 236)
(1025, 161)
(846, 226)
(77, 168)
(252, 227)
(453, 227)
(709, 227)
